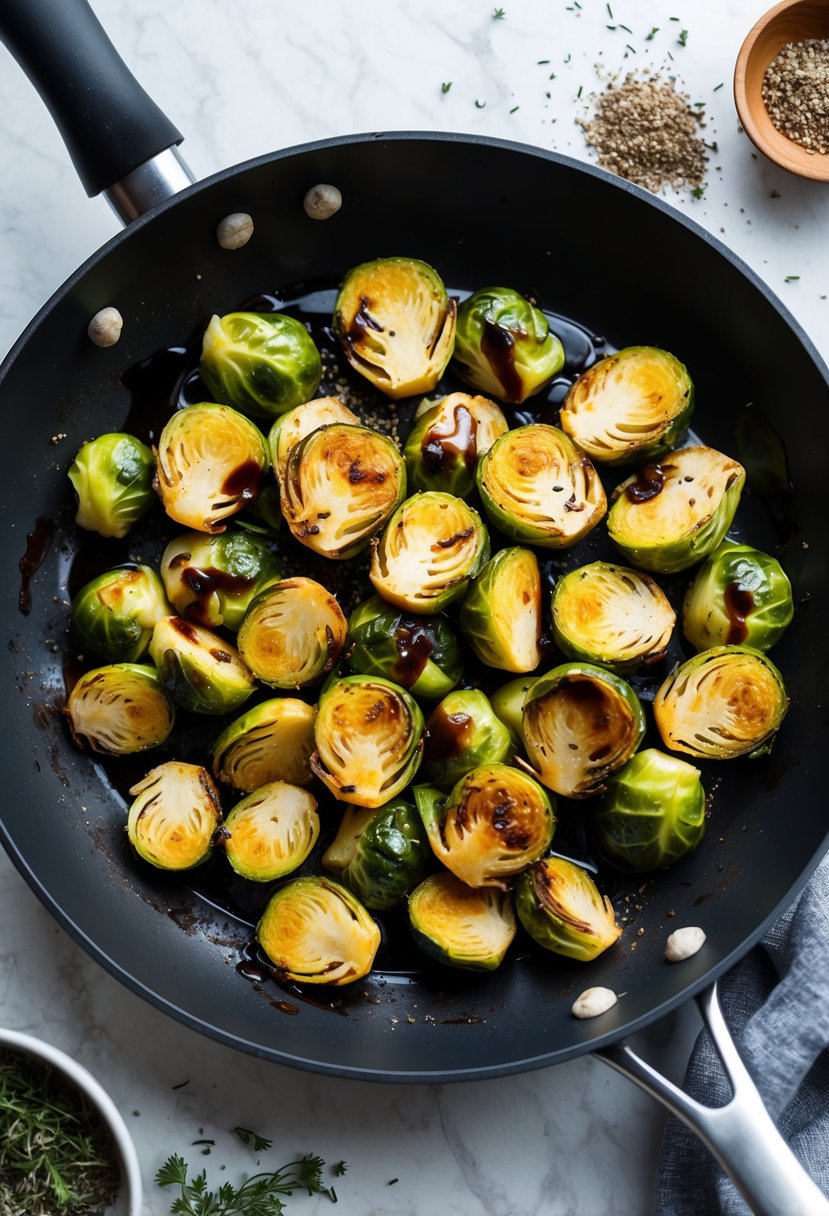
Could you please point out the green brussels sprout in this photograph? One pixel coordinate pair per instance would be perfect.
(581, 723)
(315, 931)
(461, 926)
(419, 653)
(633, 405)
(260, 363)
(379, 854)
(433, 545)
(368, 736)
(270, 832)
(738, 596)
(288, 429)
(724, 702)
(114, 615)
(508, 705)
(496, 821)
(292, 633)
(199, 670)
(501, 614)
(341, 484)
(212, 579)
(504, 345)
(652, 813)
(119, 709)
(463, 732)
(271, 742)
(210, 463)
(538, 489)
(446, 440)
(561, 908)
(673, 512)
(113, 479)
(396, 324)
(611, 615)
(175, 816)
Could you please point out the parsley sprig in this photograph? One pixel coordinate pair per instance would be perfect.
(259, 1195)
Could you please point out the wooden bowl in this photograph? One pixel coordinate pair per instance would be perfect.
(791, 21)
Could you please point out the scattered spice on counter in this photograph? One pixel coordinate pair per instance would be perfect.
(796, 93)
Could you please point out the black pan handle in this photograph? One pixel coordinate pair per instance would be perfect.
(108, 123)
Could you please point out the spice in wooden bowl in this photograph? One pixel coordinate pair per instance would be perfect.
(796, 93)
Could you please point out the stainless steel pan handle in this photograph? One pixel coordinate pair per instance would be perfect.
(741, 1135)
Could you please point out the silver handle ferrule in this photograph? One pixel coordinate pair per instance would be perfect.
(158, 179)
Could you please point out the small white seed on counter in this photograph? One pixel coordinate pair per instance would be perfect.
(105, 327)
(684, 942)
(234, 230)
(322, 201)
(592, 1002)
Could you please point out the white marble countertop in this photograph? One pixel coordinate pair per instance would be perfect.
(240, 80)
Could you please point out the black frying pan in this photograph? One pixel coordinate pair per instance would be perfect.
(590, 248)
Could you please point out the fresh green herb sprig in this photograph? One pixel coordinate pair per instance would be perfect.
(259, 1195)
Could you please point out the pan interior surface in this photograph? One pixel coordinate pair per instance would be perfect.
(622, 270)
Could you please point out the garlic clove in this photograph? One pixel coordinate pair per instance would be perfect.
(592, 1002)
(684, 942)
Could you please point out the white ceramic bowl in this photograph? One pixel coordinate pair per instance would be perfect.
(129, 1198)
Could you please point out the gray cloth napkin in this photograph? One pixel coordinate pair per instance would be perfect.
(776, 1004)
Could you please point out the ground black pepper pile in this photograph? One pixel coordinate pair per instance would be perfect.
(648, 133)
(796, 93)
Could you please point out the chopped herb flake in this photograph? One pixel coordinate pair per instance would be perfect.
(626, 28)
(514, 108)
(654, 31)
(717, 87)
(498, 14)
(446, 86)
(683, 37)
(479, 105)
(791, 278)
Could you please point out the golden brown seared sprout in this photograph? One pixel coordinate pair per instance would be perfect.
(271, 742)
(289, 429)
(113, 479)
(432, 547)
(461, 926)
(676, 510)
(633, 405)
(120, 709)
(727, 701)
(292, 633)
(538, 489)
(341, 484)
(396, 324)
(271, 832)
(174, 818)
(315, 931)
(113, 616)
(580, 724)
(561, 908)
(209, 465)
(261, 363)
(504, 345)
(199, 670)
(611, 615)
(368, 735)
(501, 614)
(446, 440)
(212, 579)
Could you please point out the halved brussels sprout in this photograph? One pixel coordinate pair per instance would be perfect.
(561, 908)
(501, 614)
(633, 405)
(462, 733)
(271, 742)
(419, 653)
(292, 633)
(341, 484)
(396, 324)
(114, 615)
(446, 440)
(727, 701)
(113, 479)
(198, 669)
(209, 465)
(270, 833)
(581, 723)
(739, 596)
(368, 735)
(288, 429)
(173, 821)
(462, 926)
(261, 363)
(673, 512)
(432, 547)
(212, 579)
(537, 488)
(611, 615)
(504, 345)
(315, 931)
(120, 709)
(496, 821)
(379, 854)
(508, 705)
(652, 813)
